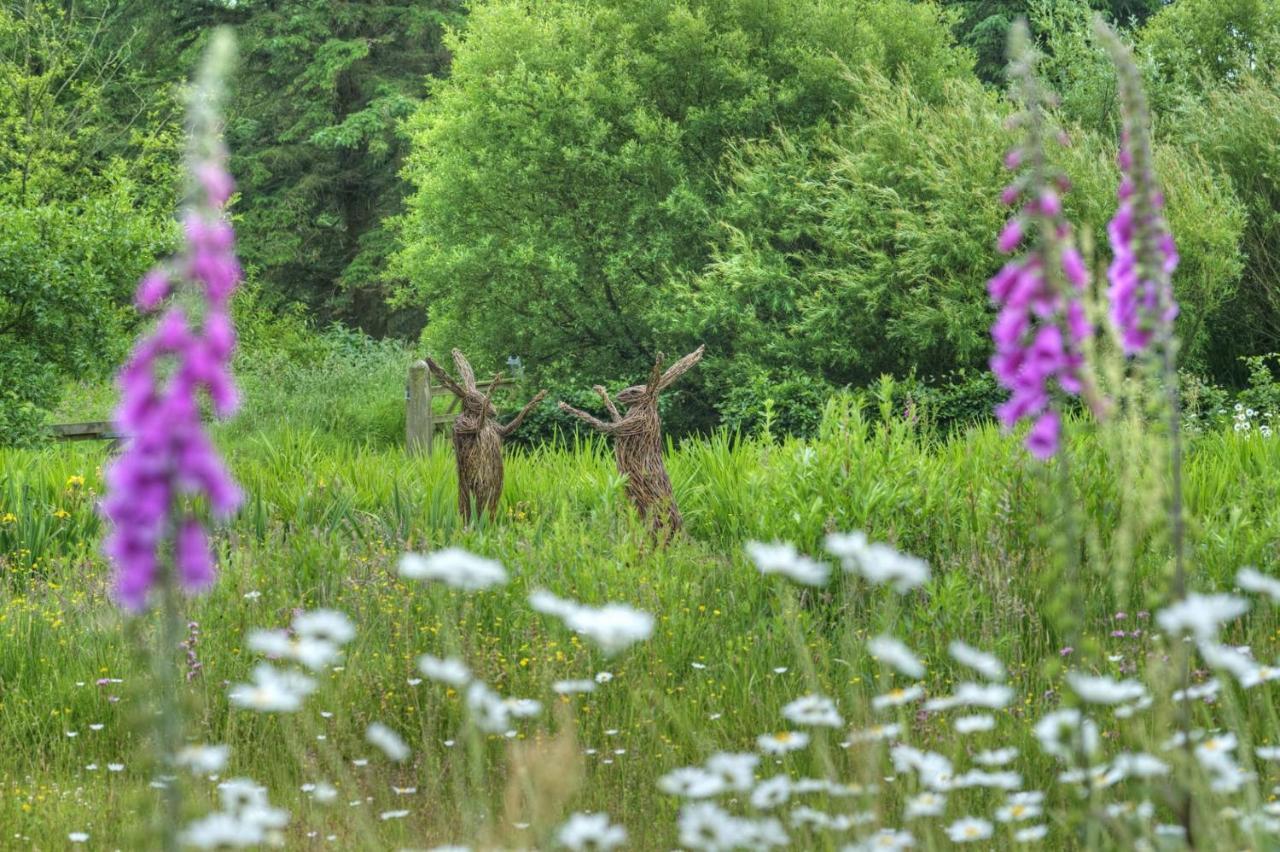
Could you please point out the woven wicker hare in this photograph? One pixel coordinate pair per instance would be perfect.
(477, 438)
(637, 443)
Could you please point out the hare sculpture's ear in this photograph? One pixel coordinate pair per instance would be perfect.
(679, 368)
(464, 370)
(443, 377)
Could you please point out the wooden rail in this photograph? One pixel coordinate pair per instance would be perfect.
(420, 421)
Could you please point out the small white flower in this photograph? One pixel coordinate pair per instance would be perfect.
(455, 568)
(895, 654)
(1267, 752)
(1202, 616)
(1067, 734)
(878, 563)
(489, 712)
(993, 696)
(604, 677)
(1031, 833)
(1253, 580)
(386, 815)
(78, 837)
(736, 770)
(969, 830)
(815, 710)
(981, 778)
(328, 625)
(614, 627)
(784, 559)
(1019, 811)
(691, 782)
(203, 759)
(524, 708)
(925, 804)
(1104, 690)
(450, 670)
(972, 724)
(223, 830)
(885, 840)
(987, 665)
(311, 652)
(771, 793)
(782, 742)
(996, 757)
(591, 832)
(897, 697)
(272, 690)
(389, 741)
(875, 733)
(115, 767)
(1140, 765)
(706, 826)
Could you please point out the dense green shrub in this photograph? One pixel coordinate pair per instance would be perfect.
(568, 171)
(865, 251)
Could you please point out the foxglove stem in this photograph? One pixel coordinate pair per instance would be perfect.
(1143, 306)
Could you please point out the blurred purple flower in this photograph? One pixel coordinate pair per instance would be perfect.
(1143, 307)
(169, 460)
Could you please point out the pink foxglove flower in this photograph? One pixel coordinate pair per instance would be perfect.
(1041, 325)
(169, 461)
(1141, 292)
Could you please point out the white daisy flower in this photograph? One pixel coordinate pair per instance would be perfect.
(895, 654)
(897, 697)
(328, 625)
(454, 567)
(876, 733)
(996, 757)
(272, 690)
(926, 804)
(570, 687)
(815, 710)
(448, 670)
(981, 778)
(993, 696)
(489, 712)
(884, 840)
(736, 770)
(783, 558)
(1067, 734)
(782, 742)
(388, 741)
(591, 832)
(707, 826)
(315, 654)
(1100, 689)
(771, 793)
(1031, 833)
(692, 782)
(987, 665)
(1252, 580)
(879, 563)
(1019, 811)
(1201, 616)
(972, 724)
(969, 830)
(1140, 765)
(203, 759)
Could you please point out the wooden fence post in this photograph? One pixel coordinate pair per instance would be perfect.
(417, 416)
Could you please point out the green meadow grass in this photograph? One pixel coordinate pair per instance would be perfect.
(326, 517)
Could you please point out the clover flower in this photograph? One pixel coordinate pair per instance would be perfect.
(169, 461)
(1041, 326)
(1143, 307)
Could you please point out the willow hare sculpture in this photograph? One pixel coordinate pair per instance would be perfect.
(637, 443)
(478, 437)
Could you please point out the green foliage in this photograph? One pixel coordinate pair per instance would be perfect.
(313, 129)
(569, 170)
(864, 252)
(1197, 43)
(1235, 129)
(78, 212)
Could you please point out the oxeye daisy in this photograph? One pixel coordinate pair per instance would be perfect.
(782, 742)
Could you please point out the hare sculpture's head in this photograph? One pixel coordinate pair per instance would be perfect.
(474, 400)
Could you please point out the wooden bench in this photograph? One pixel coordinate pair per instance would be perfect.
(97, 430)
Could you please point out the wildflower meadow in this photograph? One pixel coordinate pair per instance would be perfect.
(252, 617)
